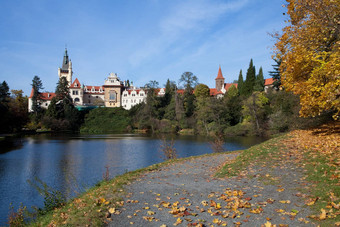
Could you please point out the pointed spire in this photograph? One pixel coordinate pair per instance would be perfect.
(65, 61)
(219, 74)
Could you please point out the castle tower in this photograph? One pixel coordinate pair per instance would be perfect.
(66, 68)
(219, 81)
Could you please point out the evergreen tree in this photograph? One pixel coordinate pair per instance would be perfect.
(37, 86)
(275, 74)
(4, 92)
(62, 91)
(240, 83)
(248, 86)
(259, 83)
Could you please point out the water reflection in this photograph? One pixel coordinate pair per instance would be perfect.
(72, 163)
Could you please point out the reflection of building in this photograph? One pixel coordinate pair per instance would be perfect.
(109, 95)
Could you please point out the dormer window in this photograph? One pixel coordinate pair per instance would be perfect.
(93, 90)
(75, 85)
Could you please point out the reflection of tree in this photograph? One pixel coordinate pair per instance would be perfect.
(9, 144)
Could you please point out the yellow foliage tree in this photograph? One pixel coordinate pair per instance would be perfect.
(309, 47)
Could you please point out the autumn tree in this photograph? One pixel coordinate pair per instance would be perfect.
(309, 47)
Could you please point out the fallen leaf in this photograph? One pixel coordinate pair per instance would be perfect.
(323, 214)
(178, 221)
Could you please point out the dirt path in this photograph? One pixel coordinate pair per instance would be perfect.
(186, 194)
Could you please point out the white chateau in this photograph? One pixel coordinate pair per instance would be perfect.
(114, 92)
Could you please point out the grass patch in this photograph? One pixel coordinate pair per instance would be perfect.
(258, 154)
(315, 150)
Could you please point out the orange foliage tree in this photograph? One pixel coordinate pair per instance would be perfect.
(309, 47)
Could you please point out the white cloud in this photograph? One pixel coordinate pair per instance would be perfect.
(185, 18)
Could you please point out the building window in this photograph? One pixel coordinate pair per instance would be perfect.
(75, 92)
(46, 104)
(125, 95)
(96, 97)
(76, 100)
(113, 96)
(141, 94)
(133, 94)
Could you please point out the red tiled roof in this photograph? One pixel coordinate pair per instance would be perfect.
(47, 96)
(96, 89)
(180, 91)
(75, 84)
(213, 91)
(219, 74)
(43, 96)
(228, 85)
(137, 91)
(269, 81)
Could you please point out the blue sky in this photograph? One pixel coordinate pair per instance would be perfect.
(141, 40)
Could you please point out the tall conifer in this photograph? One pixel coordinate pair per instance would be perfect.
(240, 83)
(248, 86)
(259, 85)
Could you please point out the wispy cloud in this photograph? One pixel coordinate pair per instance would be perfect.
(188, 17)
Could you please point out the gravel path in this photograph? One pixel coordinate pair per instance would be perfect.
(186, 194)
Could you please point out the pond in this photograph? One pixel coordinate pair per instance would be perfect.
(73, 163)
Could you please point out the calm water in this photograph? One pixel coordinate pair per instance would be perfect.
(73, 163)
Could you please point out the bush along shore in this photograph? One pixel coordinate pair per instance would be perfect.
(303, 164)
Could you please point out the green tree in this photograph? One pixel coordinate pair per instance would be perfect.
(202, 90)
(259, 83)
(37, 86)
(248, 86)
(275, 74)
(18, 110)
(189, 81)
(232, 91)
(62, 91)
(152, 84)
(4, 92)
(240, 83)
(61, 113)
(255, 111)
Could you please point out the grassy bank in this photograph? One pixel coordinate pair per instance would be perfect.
(315, 151)
(93, 207)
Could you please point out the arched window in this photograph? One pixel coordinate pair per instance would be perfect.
(76, 100)
(113, 96)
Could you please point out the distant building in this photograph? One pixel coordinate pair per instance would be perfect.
(115, 93)
(220, 87)
(109, 95)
